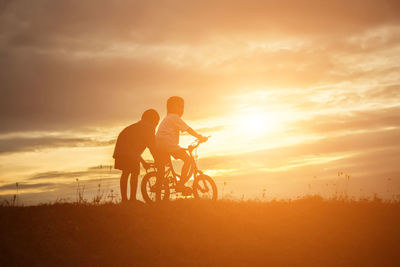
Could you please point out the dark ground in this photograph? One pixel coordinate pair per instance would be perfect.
(308, 232)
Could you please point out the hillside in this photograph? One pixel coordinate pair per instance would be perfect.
(307, 232)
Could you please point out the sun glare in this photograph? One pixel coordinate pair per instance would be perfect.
(254, 123)
(258, 122)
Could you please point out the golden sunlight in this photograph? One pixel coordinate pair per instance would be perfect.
(257, 122)
(259, 132)
(253, 123)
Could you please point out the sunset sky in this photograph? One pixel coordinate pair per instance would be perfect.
(294, 93)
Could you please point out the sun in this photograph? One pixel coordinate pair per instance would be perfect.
(254, 123)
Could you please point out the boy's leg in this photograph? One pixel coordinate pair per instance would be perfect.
(160, 161)
(134, 180)
(182, 155)
(160, 166)
(123, 185)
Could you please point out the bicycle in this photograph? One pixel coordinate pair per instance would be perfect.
(203, 186)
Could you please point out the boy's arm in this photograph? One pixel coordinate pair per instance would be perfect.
(184, 127)
(144, 163)
(152, 151)
(151, 144)
(194, 133)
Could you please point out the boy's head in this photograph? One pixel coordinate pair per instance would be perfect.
(151, 116)
(175, 105)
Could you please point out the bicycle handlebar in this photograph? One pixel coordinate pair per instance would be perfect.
(196, 143)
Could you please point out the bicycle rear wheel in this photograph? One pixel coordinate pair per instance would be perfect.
(148, 181)
(204, 187)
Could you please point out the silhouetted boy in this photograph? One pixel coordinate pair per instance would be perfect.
(131, 143)
(167, 142)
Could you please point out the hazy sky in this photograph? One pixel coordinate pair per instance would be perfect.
(292, 92)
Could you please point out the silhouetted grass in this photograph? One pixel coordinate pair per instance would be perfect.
(308, 232)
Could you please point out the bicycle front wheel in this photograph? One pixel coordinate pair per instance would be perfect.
(204, 187)
(148, 181)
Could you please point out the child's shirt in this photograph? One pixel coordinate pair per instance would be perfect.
(133, 140)
(167, 137)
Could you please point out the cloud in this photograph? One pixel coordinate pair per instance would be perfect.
(22, 186)
(386, 92)
(57, 93)
(207, 130)
(370, 160)
(370, 120)
(57, 174)
(3, 5)
(89, 173)
(344, 145)
(72, 64)
(22, 144)
(182, 21)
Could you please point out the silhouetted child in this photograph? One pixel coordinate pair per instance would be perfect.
(167, 142)
(131, 143)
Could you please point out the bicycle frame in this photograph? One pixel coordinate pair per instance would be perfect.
(193, 166)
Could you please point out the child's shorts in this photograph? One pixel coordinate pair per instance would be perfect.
(127, 164)
(163, 157)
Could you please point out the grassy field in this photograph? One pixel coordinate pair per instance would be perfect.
(306, 232)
